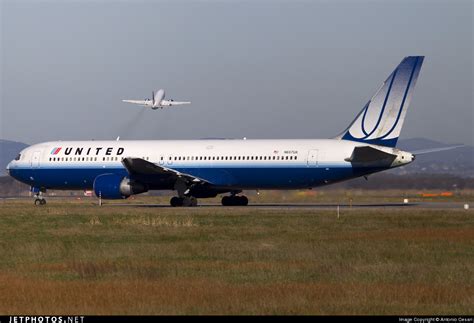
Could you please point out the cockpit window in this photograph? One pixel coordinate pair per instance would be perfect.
(18, 157)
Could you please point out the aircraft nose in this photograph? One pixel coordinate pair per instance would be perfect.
(9, 166)
(413, 157)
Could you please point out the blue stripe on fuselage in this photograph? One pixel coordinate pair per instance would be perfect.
(264, 176)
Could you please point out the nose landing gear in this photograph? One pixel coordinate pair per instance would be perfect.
(39, 199)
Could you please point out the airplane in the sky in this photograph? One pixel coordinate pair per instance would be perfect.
(205, 168)
(157, 101)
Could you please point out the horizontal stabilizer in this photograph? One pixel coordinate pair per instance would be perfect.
(434, 150)
(368, 156)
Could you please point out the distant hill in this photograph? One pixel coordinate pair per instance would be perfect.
(8, 151)
(459, 161)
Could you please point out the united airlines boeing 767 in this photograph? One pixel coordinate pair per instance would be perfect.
(206, 168)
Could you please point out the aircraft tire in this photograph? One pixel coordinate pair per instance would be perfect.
(176, 201)
(243, 200)
(189, 201)
(226, 200)
(194, 201)
(235, 200)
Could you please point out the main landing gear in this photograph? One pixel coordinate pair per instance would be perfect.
(235, 200)
(183, 201)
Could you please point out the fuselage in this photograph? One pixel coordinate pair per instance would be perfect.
(229, 164)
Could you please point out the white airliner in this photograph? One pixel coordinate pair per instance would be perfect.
(157, 101)
(206, 168)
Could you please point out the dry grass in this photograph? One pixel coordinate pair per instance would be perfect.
(81, 259)
(192, 296)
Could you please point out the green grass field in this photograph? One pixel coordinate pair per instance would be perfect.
(77, 258)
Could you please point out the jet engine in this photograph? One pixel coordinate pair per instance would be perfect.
(113, 186)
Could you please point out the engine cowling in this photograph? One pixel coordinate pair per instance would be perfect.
(113, 186)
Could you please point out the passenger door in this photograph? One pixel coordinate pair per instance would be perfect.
(35, 159)
(313, 158)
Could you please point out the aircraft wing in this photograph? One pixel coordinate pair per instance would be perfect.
(171, 102)
(141, 102)
(143, 168)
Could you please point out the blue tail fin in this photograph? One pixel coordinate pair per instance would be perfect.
(381, 120)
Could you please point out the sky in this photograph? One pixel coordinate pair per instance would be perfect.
(255, 69)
